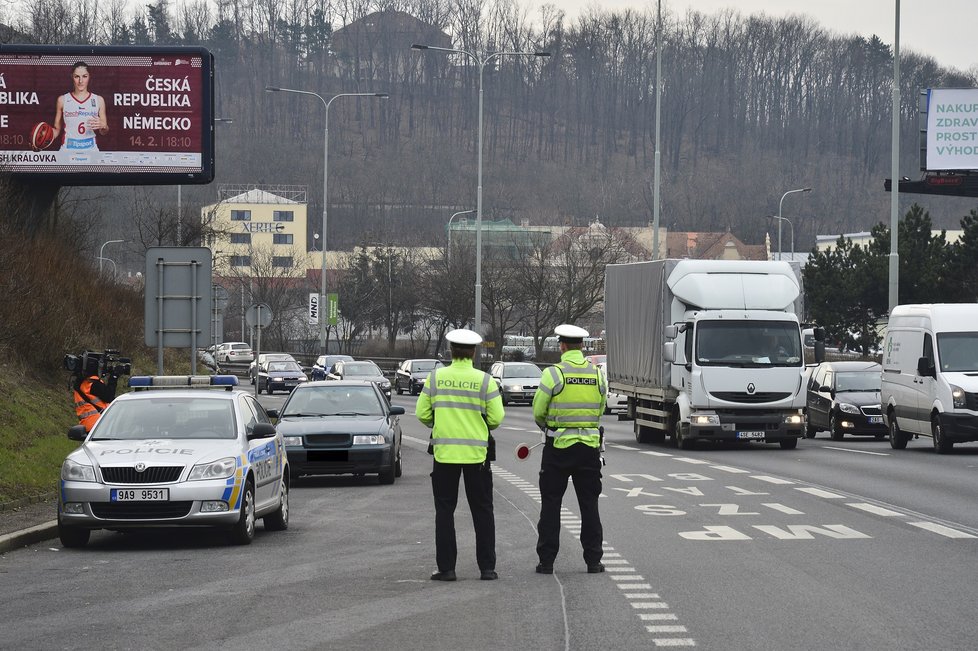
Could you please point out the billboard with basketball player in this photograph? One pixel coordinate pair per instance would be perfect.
(77, 115)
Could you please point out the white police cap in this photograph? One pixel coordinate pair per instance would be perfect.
(464, 337)
(568, 331)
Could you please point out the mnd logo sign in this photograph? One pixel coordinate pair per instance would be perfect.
(952, 129)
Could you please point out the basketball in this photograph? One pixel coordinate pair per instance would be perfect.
(42, 136)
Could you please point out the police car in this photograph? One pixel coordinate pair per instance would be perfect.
(171, 454)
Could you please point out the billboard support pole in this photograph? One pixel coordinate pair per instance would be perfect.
(894, 260)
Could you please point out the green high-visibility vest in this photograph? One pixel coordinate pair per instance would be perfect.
(461, 404)
(577, 398)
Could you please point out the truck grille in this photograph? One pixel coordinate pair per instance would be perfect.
(749, 398)
(152, 474)
(971, 401)
(871, 410)
(140, 510)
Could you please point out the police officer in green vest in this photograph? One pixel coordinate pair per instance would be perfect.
(567, 405)
(462, 404)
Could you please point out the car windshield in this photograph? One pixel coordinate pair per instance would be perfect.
(332, 400)
(521, 370)
(864, 381)
(361, 369)
(425, 367)
(167, 417)
(748, 343)
(958, 351)
(284, 366)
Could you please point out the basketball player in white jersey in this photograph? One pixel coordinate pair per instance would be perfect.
(82, 112)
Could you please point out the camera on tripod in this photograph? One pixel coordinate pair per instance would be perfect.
(107, 362)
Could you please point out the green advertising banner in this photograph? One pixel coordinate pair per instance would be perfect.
(332, 308)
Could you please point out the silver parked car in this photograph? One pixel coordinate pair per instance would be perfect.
(518, 381)
(176, 457)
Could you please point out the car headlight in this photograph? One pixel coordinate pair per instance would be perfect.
(72, 471)
(513, 387)
(705, 419)
(372, 439)
(847, 408)
(959, 397)
(793, 419)
(292, 441)
(385, 385)
(220, 469)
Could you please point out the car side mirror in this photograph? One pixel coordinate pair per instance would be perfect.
(825, 389)
(261, 431)
(396, 410)
(77, 433)
(272, 413)
(925, 368)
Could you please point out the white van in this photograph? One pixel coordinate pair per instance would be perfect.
(930, 374)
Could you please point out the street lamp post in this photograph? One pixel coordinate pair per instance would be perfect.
(780, 217)
(478, 204)
(101, 251)
(461, 212)
(792, 234)
(326, 103)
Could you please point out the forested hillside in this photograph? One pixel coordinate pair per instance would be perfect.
(751, 106)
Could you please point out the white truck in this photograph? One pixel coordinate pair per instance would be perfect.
(707, 349)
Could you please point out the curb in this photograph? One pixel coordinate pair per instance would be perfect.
(29, 536)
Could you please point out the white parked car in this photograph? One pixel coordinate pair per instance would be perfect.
(616, 401)
(236, 352)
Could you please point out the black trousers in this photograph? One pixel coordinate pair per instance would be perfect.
(478, 492)
(583, 464)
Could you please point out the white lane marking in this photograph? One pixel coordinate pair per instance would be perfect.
(665, 628)
(941, 530)
(818, 492)
(772, 480)
(700, 462)
(612, 568)
(872, 508)
(642, 595)
(652, 453)
(658, 617)
(678, 641)
(878, 454)
(619, 446)
(783, 508)
(649, 605)
(614, 561)
(626, 577)
(635, 586)
(730, 469)
(514, 429)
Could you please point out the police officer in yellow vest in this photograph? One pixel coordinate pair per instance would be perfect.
(462, 404)
(567, 405)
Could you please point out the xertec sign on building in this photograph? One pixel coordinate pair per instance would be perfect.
(952, 129)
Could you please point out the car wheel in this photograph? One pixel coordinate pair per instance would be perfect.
(898, 440)
(268, 388)
(505, 400)
(834, 430)
(397, 464)
(941, 444)
(681, 440)
(387, 475)
(397, 388)
(415, 392)
(243, 532)
(279, 519)
(788, 444)
(72, 537)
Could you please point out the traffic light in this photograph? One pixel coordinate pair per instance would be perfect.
(948, 185)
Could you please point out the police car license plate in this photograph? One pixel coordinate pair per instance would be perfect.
(750, 435)
(140, 495)
(875, 420)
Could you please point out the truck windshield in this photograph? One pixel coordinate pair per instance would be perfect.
(958, 351)
(748, 343)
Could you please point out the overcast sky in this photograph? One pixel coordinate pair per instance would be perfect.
(944, 29)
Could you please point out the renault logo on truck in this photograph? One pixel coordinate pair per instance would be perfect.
(750, 389)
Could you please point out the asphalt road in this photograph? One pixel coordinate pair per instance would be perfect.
(846, 545)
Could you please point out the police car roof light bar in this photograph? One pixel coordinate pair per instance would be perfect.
(180, 381)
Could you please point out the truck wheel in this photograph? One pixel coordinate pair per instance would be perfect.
(834, 430)
(941, 444)
(788, 444)
(643, 434)
(810, 431)
(679, 436)
(898, 439)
